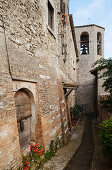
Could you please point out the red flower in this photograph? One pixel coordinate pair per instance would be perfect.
(40, 152)
(32, 148)
(35, 150)
(72, 124)
(28, 164)
(37, 145)
(42, 149)
(38, 148)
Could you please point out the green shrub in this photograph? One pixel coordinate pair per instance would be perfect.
(106, 135)
(75, 111)
(57, 143)
(51, 152)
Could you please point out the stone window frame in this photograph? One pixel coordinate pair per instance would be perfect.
(99, 43)
(86, 42)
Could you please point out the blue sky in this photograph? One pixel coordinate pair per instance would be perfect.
(97, 12)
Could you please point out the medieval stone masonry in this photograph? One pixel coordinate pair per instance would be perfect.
(37, 73)
(90, 43)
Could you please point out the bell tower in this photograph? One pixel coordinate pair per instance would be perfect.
(90, 43)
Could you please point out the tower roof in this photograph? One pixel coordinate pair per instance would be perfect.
(90, 26)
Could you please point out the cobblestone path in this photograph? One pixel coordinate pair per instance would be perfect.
(82, 160)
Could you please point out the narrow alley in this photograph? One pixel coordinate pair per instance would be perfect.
(83, 158)
(89, 155)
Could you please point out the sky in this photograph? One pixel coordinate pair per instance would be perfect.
(97, 12)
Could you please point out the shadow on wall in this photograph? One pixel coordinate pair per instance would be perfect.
(85, 97)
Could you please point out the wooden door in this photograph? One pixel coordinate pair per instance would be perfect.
(23, 113)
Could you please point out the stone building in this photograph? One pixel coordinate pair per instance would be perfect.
(37, 75)
(90, 43)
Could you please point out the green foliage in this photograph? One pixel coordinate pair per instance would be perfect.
(51, 152)
(26, 158)
(51, 148)
(57, 143)
(106, 135)
(26, 161)
(106, 66)
(48, 156)
(75, 111)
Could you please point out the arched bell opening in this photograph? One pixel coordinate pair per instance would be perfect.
(84, 43)
(25, 113)
(99, 43)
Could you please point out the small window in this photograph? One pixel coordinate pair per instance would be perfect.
(98, 43)
(62, 6)
(84, 43)
(50, 16)
(64, 49)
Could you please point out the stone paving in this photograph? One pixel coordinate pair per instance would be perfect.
(90, 154)
(64, 154)
(82, 160)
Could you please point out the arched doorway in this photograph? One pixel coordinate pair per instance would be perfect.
(23, 114)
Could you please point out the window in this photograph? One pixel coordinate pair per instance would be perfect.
(99, 43)
(62, 6)
(84, 43)
(50, 16)
(64, 48)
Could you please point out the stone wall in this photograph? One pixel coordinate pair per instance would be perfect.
(101, 90)
(10, 155)
(104, 112)
(32, 60)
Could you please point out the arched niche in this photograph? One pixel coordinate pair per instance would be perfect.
(84, 43)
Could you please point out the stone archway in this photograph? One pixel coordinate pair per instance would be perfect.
(23, 102)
